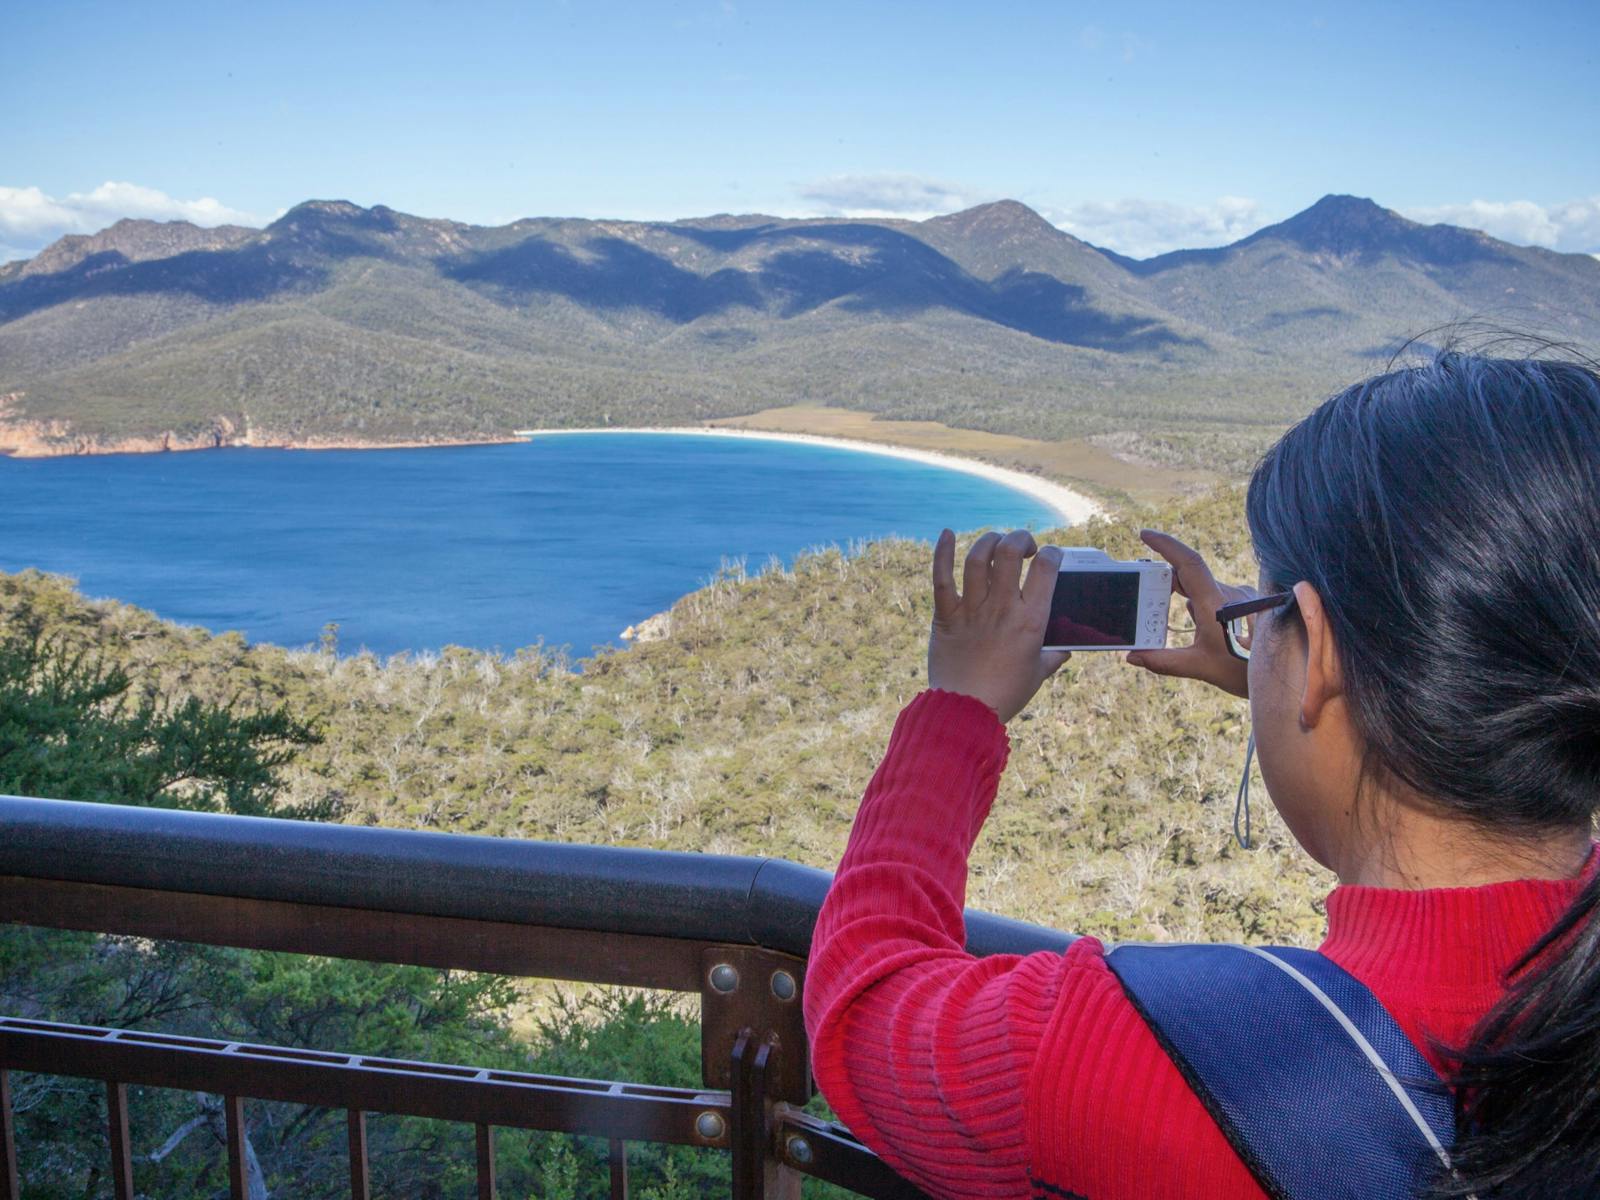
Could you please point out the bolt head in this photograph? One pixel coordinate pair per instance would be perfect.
(724, 977)
(710, 1125)
(783, 985)
(799, 1149)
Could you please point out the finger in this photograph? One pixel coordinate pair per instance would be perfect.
(1190, 574)
(1163, 662)
(1005, 579)
(1040, 586)
(944, 576)
(975, 575)
(1052, 661)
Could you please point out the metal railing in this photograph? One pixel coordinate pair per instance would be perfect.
(734, 930)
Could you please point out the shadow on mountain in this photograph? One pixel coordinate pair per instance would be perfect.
(1282, 320)
(726, 240)
(1059, 312)
(862, 268)
(800, 281)
(216, 276)
(612, 274)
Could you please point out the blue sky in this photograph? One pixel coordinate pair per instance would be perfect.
(1138, 126)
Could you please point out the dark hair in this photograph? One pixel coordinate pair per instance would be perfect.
(1448, 515)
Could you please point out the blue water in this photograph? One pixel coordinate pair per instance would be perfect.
(568, 539)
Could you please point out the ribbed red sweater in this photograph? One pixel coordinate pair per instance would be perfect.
(1007, 1075)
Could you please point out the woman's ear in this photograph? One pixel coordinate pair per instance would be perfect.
(1323, 678)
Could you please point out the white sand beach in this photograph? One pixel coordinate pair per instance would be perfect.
(1070, 507)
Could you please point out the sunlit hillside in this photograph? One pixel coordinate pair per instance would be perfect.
(753, 727)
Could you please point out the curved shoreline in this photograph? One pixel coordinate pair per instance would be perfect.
(1070, 507)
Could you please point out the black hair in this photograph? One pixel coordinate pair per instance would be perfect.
(1448, 515)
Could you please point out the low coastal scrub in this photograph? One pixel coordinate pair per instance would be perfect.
(751, 728)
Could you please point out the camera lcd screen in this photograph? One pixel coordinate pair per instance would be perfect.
(1094, 608)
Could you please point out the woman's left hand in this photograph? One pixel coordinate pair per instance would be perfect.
(987, 641)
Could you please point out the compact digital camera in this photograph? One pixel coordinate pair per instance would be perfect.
(1102, 603)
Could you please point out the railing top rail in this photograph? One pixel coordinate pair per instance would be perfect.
(700, 897)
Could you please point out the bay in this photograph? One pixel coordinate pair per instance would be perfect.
(565, 540)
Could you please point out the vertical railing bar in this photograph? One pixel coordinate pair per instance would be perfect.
(117, 1136)
(619, 1169)
(233, 1107)
(360, 1189)
(756, 1127)
(485, 1163)
(778, 1181)
(746, 1172)
(10, 1188)
(121, 1153)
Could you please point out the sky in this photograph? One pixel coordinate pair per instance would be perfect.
(1141, 127)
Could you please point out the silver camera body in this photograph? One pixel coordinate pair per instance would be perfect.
(1103, 603)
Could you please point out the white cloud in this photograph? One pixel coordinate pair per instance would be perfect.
(30, 220)
(909, 197)
(1573, 226)
(1143, 228)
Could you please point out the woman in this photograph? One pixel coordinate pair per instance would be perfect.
(1425, 697)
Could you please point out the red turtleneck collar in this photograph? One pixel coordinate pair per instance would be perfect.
(1444, 950)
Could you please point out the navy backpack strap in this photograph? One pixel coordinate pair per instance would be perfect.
(1318, 1089)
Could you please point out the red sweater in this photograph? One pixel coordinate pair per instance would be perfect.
(1009, 1074)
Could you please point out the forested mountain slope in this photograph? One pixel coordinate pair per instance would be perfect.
(365, 325)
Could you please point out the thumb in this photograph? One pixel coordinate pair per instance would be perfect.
(1160, 662)
(1052, 661)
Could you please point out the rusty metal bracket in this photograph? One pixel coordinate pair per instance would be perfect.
(749, 989)
(759, 1170)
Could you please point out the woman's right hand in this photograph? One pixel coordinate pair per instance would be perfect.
(1207, 658)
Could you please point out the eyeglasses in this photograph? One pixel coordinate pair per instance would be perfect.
(1239, 620)
(1239, 629)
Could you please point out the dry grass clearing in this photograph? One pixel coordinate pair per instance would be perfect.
(1072, 462)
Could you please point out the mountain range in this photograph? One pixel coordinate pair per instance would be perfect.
(338, 324)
